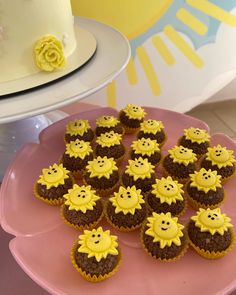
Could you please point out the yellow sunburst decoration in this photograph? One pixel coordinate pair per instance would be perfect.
(78, 149)
(212, 221)
(53, 176)
(196, 135)
(139, 168)
(101, 167)
(107, 121)
(145, 146)
(98, 243)
(77, 127)
(220, 156)
(151, 126)
(134, 112)
(164, 229)
(182, 155)
(109, 139)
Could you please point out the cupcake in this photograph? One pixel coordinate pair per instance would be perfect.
(167, 195)
(163, 237)
(146, 148)
(204, 189)
(53, 183)
(131, 117)
(139, 172)
(102, 174)
(76, 156)
(83, 208)
(108, 123)
(211, 233)
(179, 163)
(126, 209)
(96, 255)
(196, 139)
(79, 129)
(220, 159)
(154, 130)
(109, 144)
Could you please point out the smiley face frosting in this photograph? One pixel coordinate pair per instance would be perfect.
(53, 176)
(205, 180)
(164, 229)
(127, 200)
(151, 126)
(139, 168)
(134, 112)
(78, 149)
(220, 156)
(78, 127)
(212, 221)
(109, 139)
(98, 243)
(196, 135)
(182, 155)
(101, 167)
(168, 190)
(145, 146)
(81, 198)
(107, 121)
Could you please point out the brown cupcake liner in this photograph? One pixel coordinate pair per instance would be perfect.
(180, 180)
(53, 202)
(105, 192)
(129, 130)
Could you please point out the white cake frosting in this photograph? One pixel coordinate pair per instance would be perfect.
(22, 24)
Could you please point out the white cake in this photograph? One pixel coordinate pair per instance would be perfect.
(25, 23)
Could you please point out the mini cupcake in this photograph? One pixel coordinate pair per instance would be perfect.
(108, 123)
(131, 117)
(102, 174)
(204, 189)
(220, 159)
(163, 237)
(154, 130)
(96, 255)
(146, 148)
(79, 129)
(76, 156)
(179, 163)
(196, 139)
(126, 209)
(211, 233)
(109, 144)
(82, 209)
(139, 172)
(167, 195)
(53, 183)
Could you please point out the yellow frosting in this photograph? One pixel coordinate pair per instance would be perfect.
(164, 229)
(49, 54)
(212, 221)
(145, 146)
(205, 180)
(107, 121)
(220, 156)
(81, 198)
(151, 126)
(168, 190)
(53, 176)
(139, 168)
(182, 155)
(101, 167)
(78, 127)
(98, 243)
(127, 200)
(109, 139)
(134, 112)
(78, 149)
(197, 135)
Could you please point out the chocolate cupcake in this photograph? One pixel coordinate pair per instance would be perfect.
(79, 129)
(211, 233)
(166, 195)
(163, 237)
(126, 209)
(53, 183)
(96, 255)
(108, 123)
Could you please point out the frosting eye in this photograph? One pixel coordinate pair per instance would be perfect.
(49, 173)
(163, 222)
(93, 235)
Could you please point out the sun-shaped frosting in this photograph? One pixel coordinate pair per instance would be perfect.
(134, 112)
(196, 135)
(107, 121)
(127, 200)
(139, 168)
(145, 146)
(78, 149)
(220, 156)
(53, 176)
(81, 198)
(168, 190)
(212, 220)
(101, 167)
(109, 139)
(98, 243)
(164, 229)
(182, 155)
(77, 127)
(205, 180)
(151, 126)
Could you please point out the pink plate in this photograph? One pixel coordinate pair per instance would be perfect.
(42, 243)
